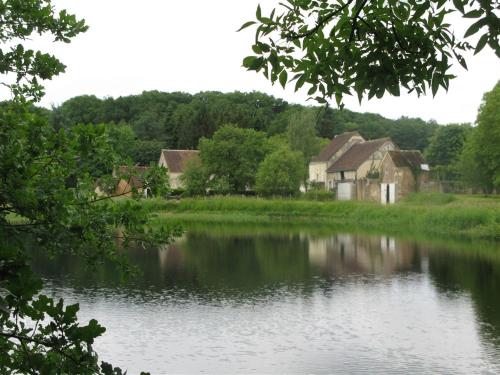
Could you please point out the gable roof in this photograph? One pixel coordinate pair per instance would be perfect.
(177, 160)
(334, 146)
(356, 155)
(412, 159)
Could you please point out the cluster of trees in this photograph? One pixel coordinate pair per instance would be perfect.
(470, 155)
(154, 120)
(139, 126)
(239, 160)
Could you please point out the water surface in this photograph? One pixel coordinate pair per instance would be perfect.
(222, 300)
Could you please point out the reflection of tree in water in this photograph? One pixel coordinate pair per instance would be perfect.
(477, 275)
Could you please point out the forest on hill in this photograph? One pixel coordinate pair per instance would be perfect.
(179, 120)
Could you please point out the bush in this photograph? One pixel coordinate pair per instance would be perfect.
(280, 173)
(318, 195)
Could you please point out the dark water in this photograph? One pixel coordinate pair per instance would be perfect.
(224, 300)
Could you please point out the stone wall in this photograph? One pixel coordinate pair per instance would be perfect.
(368, 189)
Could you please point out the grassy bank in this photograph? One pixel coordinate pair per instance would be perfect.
(429, 214)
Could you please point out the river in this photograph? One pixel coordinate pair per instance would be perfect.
(225, 299)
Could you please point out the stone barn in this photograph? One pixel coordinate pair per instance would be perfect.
(176, 162)
(329, 155)
(360, 162)
(402, 172)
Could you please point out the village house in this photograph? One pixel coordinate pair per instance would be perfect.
(176, 162)
(402, 172)
(360, 161)
(131, 180)
(330, 154)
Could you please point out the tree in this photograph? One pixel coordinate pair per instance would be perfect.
(280, 173)
(301, 134)
(342, 47)
(195, 178)
(156, 181)
(143, 152)
(233, 155)
(446, 145)
(47, 202)
(480, 161)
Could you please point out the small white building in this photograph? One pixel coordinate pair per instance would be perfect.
(176, 162)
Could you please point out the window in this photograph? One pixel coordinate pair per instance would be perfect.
(342, 175)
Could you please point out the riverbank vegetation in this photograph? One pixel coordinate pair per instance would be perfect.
(455, 216)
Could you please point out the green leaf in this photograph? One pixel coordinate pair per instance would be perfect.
(481, 43)
(258, 13)
(245, 25)
(474, 28)
(283, 78)
(459, 5)
(435, 85)
(253, 62)
(473, 13)
(300, 82)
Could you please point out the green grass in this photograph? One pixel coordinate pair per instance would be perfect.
(429, 214)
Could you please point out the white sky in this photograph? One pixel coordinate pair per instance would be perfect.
(192, 46)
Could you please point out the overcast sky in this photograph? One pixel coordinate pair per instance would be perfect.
(192, 46)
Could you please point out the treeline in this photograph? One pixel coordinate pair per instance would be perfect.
(179, 120)
(138, 126)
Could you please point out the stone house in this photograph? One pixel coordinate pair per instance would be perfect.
(402, 172)
(330, 154)
(360, 161)
(176, 162)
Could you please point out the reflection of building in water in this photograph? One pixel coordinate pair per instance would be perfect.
(343, 254)
(171, 256)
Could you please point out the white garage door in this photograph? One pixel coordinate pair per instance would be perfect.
(344, 191)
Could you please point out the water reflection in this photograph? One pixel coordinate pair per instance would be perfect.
(257, 301)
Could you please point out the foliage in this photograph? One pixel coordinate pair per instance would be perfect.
(318, 195)
(232, 156)
(280, 173)
(429, 199)
(367, 47)
(465, 217)
(301, 134)
(488, 138)
(156, 181)
(480, 160)
(446, 144)
(178, 121)
(195, 178)
(20, 21)
(47, 181)
(48, 203)
(143, 152)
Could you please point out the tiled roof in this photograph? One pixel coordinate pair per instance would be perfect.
(356, 155)
(335, 145)
(412, 159)
(177, 160)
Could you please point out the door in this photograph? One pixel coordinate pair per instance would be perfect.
(387, 193)
(344, 191)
